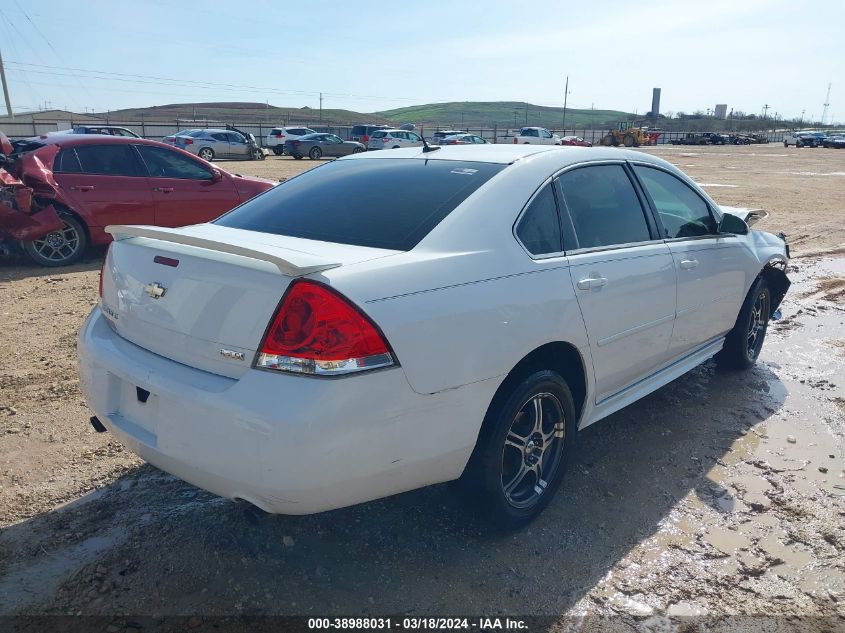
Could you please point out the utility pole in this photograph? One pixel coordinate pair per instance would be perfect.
(321, 107)
(826, 104)
(526, 113)
(5, 88)
(765, 110)
(565, 95)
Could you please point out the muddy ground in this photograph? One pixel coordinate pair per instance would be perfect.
(720, 494)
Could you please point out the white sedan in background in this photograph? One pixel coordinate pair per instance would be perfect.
(397, 319)
(394, 139)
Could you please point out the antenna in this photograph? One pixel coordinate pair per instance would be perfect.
(826, 104)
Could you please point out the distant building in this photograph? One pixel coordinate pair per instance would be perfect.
(721, 111)
(655, 102)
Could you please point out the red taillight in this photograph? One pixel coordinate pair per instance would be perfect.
(297, 142)
(280, 136)
(386, 139)
(189, 141)
(318, 331)
(365, 138)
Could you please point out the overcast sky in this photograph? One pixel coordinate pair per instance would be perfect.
(370, 56)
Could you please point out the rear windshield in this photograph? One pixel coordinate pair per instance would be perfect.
(359, 129)
(385, 203)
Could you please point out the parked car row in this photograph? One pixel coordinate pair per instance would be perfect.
(814, 139)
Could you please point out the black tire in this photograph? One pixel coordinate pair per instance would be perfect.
(357, 150)
(315, 154)
(510, 447)
(257, 154)
(206, 153)
(785, 144)
(59, 248)
(278, 151)
(799, 144)
(395, 147)
(741, 350)
(297, 156)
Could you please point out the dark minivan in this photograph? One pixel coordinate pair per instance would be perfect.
(361, 133)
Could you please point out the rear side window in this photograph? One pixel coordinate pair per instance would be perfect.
(164, 163)
(603, 206)
(539, 227)
(683, 213)
(387, 203)
(66, 162)
(109, 160)
(379, 134)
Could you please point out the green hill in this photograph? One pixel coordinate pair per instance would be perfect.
(244, 112)
(502, 114)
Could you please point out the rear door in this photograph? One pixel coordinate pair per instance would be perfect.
(184, 189)
(710, 267)
(107, 183)
(622, 275)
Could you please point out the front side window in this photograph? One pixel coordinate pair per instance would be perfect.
(539, 227)
(333, 139)
(386, 203)
(528, 132)
(108, 160)
(603, 206)
(163, 163)
(547, 134)
(234, 137)
(682, 212)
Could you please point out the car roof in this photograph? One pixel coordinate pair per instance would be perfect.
(506, 153)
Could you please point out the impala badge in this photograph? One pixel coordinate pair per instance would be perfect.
(155, 290)
(228, 353)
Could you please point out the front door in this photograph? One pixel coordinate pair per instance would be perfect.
(710, 270)
(623, 278)
(238, 147)
(106, 184)
(185, 190)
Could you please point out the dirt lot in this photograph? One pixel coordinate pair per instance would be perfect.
(720, 494)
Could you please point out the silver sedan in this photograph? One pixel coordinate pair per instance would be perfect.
(210, 144)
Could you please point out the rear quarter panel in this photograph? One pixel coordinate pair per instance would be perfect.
(450, 329)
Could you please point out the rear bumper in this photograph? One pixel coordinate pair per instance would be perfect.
(289, 444)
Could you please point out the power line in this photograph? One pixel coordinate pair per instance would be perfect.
(126, 77)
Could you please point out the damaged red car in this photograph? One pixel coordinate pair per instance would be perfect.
(57, 194)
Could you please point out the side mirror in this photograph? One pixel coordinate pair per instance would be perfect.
(216, 175)
(732, 225)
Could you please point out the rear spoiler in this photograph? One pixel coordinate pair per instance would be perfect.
(751, 216)
(291, 263)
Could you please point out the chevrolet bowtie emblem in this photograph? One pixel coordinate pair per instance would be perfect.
(155, 290)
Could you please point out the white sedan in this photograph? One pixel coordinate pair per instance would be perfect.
(397, 319)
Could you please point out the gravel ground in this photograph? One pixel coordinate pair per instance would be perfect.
(721, 494)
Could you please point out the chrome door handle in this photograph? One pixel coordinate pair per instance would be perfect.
(689, 264)
(82, 187)
(163, 189)
(591, 282)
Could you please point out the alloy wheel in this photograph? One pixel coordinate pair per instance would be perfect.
(58, 246)
(533, 449)
(757, 325)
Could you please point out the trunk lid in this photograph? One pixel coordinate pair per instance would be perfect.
(204, 295)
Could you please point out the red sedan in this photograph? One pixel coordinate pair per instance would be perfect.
(58, 193)
(575, 140)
